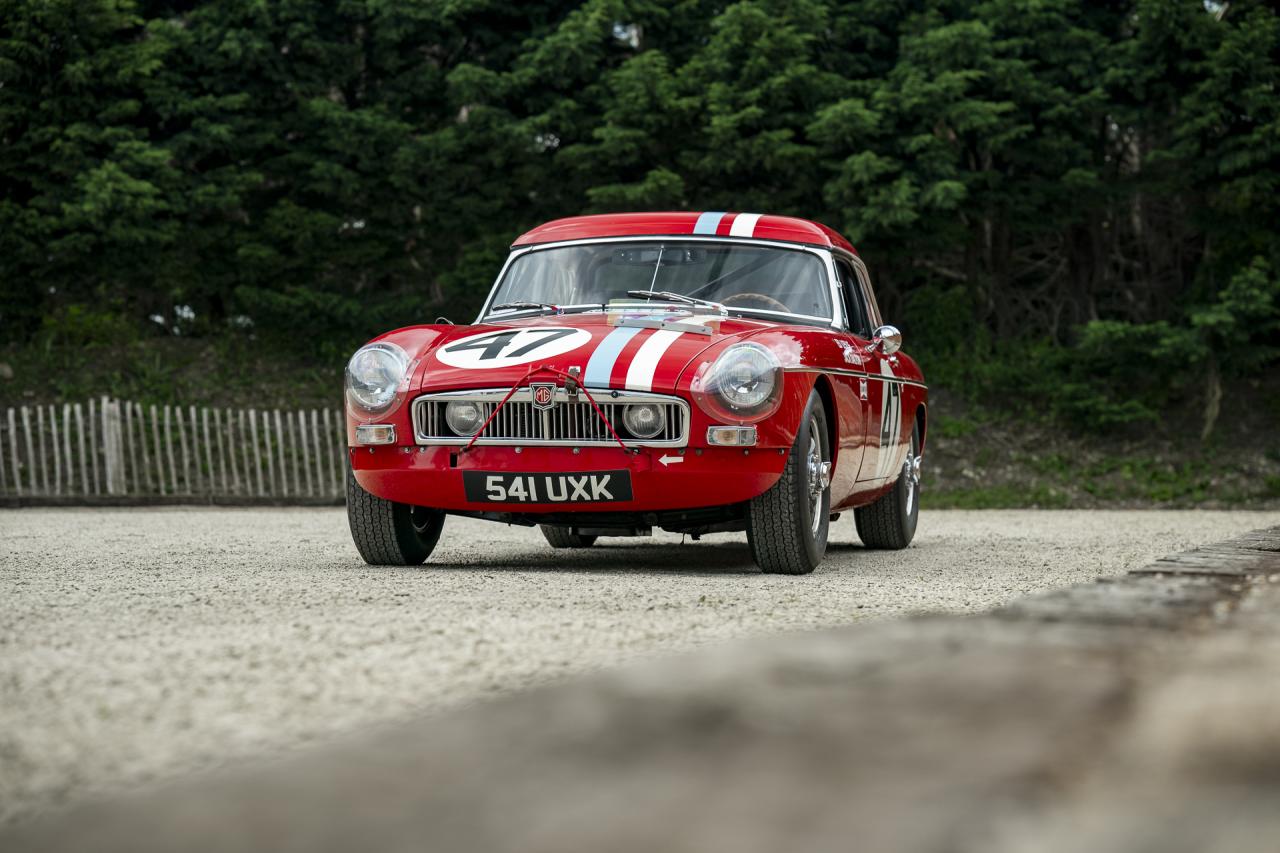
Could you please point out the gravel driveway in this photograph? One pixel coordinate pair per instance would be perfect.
(139, 644)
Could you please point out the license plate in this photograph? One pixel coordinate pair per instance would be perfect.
(590, 487)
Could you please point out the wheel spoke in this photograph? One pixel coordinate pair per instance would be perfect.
(819, 478)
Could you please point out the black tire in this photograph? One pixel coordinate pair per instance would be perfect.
(890, 522)
(786, 533)
(564, 537)
(388, 533)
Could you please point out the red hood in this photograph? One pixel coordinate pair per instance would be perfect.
(614, 350)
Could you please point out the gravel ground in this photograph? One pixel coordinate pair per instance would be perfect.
(139, 644)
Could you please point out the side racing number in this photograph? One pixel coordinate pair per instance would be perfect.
(890, 427)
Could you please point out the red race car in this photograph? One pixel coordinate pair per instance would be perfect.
(698, 372)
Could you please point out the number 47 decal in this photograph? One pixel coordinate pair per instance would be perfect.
(495, 345)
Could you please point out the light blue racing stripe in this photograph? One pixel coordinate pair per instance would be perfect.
(600, 367)
(707, 223)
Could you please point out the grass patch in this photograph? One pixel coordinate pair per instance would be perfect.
(997, 497)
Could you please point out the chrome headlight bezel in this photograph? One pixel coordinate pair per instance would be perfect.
(744, 384)
(375, 377)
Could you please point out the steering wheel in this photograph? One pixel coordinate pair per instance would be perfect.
(768, 303)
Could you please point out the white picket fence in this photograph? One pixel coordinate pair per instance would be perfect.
(109, 447)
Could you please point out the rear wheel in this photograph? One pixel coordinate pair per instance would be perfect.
(388, 533)
(565, 537)
(890, 522)
(787, 525)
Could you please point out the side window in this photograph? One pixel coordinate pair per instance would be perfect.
(855, 305)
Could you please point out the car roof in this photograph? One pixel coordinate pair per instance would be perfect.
(687, 223)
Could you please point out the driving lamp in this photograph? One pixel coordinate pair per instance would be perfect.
(644, 420)
(464, 417)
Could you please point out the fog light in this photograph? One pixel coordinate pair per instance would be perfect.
(376, 434)
(463, 417)
(644, 420)
(732, 436)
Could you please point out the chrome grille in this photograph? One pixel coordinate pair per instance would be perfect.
(570, 422)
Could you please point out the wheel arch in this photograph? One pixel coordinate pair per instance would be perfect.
(822, 384)
(922, 421)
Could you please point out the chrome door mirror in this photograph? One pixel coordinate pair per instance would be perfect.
(887, 339)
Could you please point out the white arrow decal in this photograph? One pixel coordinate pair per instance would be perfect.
(667, 460)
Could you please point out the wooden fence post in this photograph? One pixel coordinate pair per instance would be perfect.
(168, 449)
(91, 423)
(66, 447)
(108, 459)
(295, 453)
(81, 439)
(44, 466)
(280, 457)
(109, 472)
(216, 417)
(148, 479)
(210, 483)
(32, 479)
(186, 453)
(13, 451)
(319, 451)
(159, 448)
(130, 486)
(4, 485)
(306, 450)
(257, 452)
(331, 450)
(232, 435)
(57, 450)
(121, 448)
(266, 451)
(245, 445)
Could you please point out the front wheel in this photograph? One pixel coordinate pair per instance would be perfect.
(388, 533)
(890, 522)
(787, 525)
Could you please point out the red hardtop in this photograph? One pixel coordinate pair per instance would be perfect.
(686, 223)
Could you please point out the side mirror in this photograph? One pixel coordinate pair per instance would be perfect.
(887, 339)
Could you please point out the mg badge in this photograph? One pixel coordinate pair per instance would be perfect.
(544, 395)
(862, 388)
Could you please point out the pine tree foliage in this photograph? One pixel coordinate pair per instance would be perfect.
(1080, 177)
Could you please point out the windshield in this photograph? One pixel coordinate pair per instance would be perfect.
(751, 279)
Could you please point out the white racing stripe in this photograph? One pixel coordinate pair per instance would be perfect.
(744, 225)
(645, 362)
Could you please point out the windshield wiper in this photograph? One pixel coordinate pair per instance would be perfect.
(677, 297)
(525, 306)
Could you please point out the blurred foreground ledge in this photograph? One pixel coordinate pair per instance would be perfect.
(1136, 713)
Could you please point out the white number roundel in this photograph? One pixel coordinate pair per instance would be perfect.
(507, 347)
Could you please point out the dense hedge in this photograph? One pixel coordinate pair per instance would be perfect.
(1056, 192)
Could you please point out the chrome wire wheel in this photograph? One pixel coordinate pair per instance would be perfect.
(819, 476)
(911, 473)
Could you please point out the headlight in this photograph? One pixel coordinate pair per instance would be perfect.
(374, 375)
(644, 420)
(463, 417)
(744, 384)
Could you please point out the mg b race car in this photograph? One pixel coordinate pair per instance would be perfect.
(697, 372)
